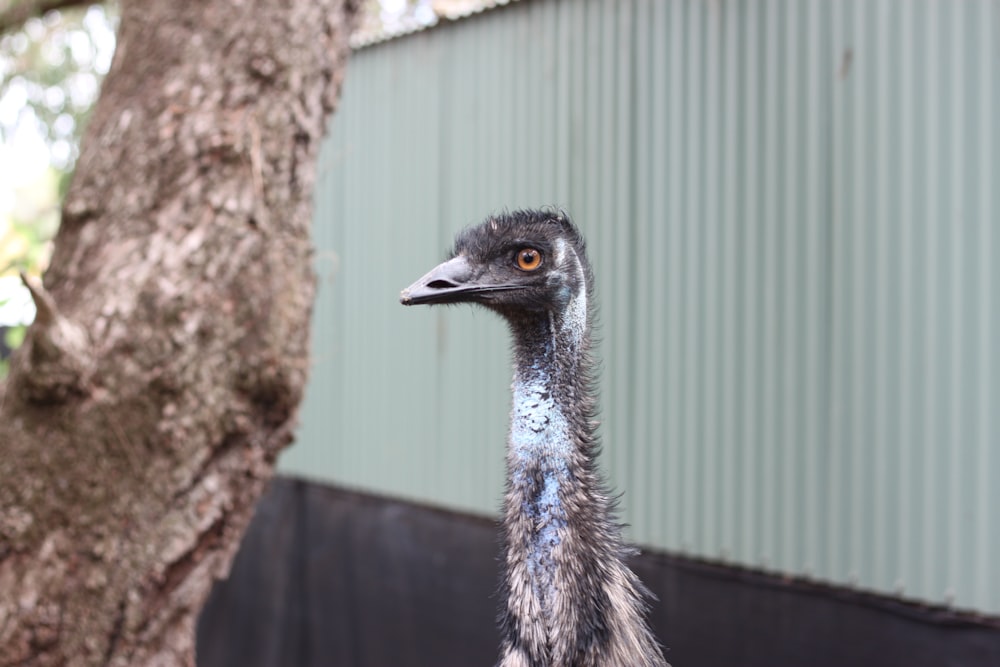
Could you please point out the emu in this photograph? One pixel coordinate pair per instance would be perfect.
(567, 597)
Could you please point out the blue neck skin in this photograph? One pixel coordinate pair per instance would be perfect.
(540, 449)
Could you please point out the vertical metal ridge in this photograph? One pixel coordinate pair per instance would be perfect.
(957, 509)
(767, 501)
(674, 73)
(928, 583)
(880, 544)
(642, 253)
(748, 549)
(838, 505)
(730, 223)
(815, 307)
(986, 574)
(907, 535)
(792, 335)
(710, 538)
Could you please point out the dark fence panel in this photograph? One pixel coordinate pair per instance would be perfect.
(327, 578)
(332, 578)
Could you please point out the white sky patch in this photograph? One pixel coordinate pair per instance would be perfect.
(393, 7)
(16, 306)
(23, 160)
(80, 47)
(82, 89)
(103, 35)
(13, 102)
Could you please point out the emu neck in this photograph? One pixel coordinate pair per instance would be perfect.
(548, 461)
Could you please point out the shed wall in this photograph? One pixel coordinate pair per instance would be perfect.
(792, 211)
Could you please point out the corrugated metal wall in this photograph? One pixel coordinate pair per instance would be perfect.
(794, 214)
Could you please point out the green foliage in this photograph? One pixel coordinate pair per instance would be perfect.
(14, 336)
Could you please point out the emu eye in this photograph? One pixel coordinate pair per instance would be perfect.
(528, 259)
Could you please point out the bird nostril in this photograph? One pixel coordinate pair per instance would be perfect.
(441, 284)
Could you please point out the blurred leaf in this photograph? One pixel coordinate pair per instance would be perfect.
(14, 336)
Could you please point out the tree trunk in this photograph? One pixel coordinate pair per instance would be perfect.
(143, 415)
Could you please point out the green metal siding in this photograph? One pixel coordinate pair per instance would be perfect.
(792, 211)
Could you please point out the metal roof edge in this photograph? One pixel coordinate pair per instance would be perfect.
(360, 41)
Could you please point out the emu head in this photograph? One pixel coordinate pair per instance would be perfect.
(525, 265)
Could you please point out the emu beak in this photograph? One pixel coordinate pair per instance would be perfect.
(449, 282)
(440, 285)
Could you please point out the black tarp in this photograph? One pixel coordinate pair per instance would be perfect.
(330, 578)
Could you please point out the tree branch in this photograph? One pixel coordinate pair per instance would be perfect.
(13, 17)
(57, 350)
(45, 307)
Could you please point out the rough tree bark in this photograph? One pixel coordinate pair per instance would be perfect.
(143, 415)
